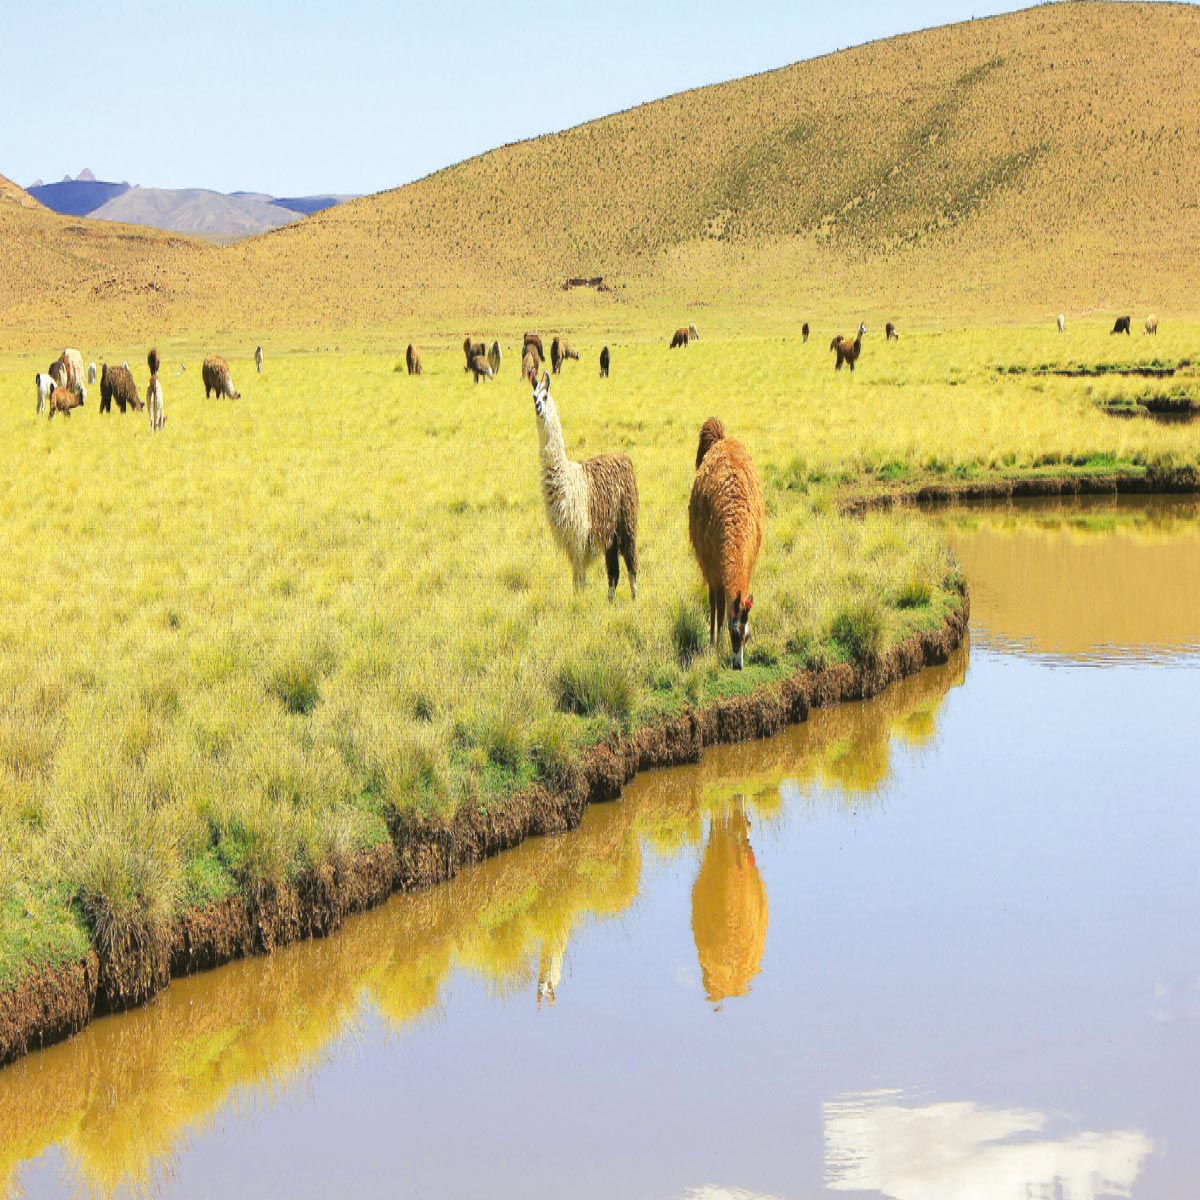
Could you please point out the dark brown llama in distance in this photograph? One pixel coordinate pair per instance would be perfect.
(847, 351)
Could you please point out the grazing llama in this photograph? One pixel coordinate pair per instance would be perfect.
(847, 351)
(684, 335)
(1122, 326)
(494, 357)
(804, 331)
(412, 359)
(1152, 324)
(727, 518)
(532, 339)
(258, 358)
(592, 505)
(604, 362)
(473, 350)
(560, 351)
(1062, 323)
(480, 368)
(891, 333)
(214, 374)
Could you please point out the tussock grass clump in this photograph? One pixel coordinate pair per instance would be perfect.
(592, 684)
(689, 633)
(858, 628)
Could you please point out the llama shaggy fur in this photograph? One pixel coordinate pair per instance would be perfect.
(532, 339)
(560, 351)
(604, 363)
(153, 361)
(1152, 324)
(531, 362)
(116, 383)
(847, 351)
(1062, 323)
(412, 359)
(1122, 325)
(216, 378)
(63, 400)
(592, 506)
(727, 518)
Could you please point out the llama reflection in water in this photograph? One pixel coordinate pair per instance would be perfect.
(729, 907)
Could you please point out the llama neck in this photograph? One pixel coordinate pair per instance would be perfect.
(554, 453)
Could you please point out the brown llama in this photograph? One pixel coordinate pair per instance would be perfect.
(471, 349)
(1122, 325)
(604, 361)
(847, 351)
(116, 383)
(412, 359)
(727, 518)
(531, 362)
(532, 339)
(63, 400)
(560, 351)
(804, 331)
(480, 367)
(215, 376)
(684, 335)
(890, 333)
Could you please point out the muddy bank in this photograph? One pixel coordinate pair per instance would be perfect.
(51, 1006)
(1182, 481)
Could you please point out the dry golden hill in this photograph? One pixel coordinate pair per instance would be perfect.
(61, 275)
(1042, 161)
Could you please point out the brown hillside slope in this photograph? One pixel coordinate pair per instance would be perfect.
(1042, 161)
(1047, 158)
(64, 274)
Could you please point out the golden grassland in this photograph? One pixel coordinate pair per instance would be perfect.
(992, 171)
(124, 1097)
(248, 646)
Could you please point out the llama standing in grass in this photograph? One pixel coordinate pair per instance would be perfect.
(605, 359)
(684, 336)
(891, 333)
(804, 331)
(412, 359)
(154, 393)
(494, 357)
(592, 505)
(1062, 323)
(847, 351)
(258, 358)
(1152, 324)
(727, 517)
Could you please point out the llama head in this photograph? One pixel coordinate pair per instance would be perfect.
(547, 414)
(739, 627)
(862, 328)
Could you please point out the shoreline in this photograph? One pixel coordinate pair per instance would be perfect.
(53, 1004)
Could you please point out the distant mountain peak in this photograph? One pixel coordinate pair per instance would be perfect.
(87, 175)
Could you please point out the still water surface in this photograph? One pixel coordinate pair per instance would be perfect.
(940, 945)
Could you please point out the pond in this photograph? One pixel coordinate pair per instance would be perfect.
(940, 944)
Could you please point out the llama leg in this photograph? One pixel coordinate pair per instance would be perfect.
(612, 560)
(629, 554)
(712, 617)
(720, 613)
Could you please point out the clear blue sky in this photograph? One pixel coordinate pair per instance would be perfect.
(356, 96)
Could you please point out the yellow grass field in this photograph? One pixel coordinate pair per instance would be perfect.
(240, 649)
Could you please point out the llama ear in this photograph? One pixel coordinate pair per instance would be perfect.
(546, 379)
(749, 603)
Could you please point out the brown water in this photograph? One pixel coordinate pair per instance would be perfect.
(940, 945)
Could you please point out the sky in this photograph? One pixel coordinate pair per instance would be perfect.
(354, 96)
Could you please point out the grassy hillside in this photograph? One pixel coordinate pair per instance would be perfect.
(1009, 168)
